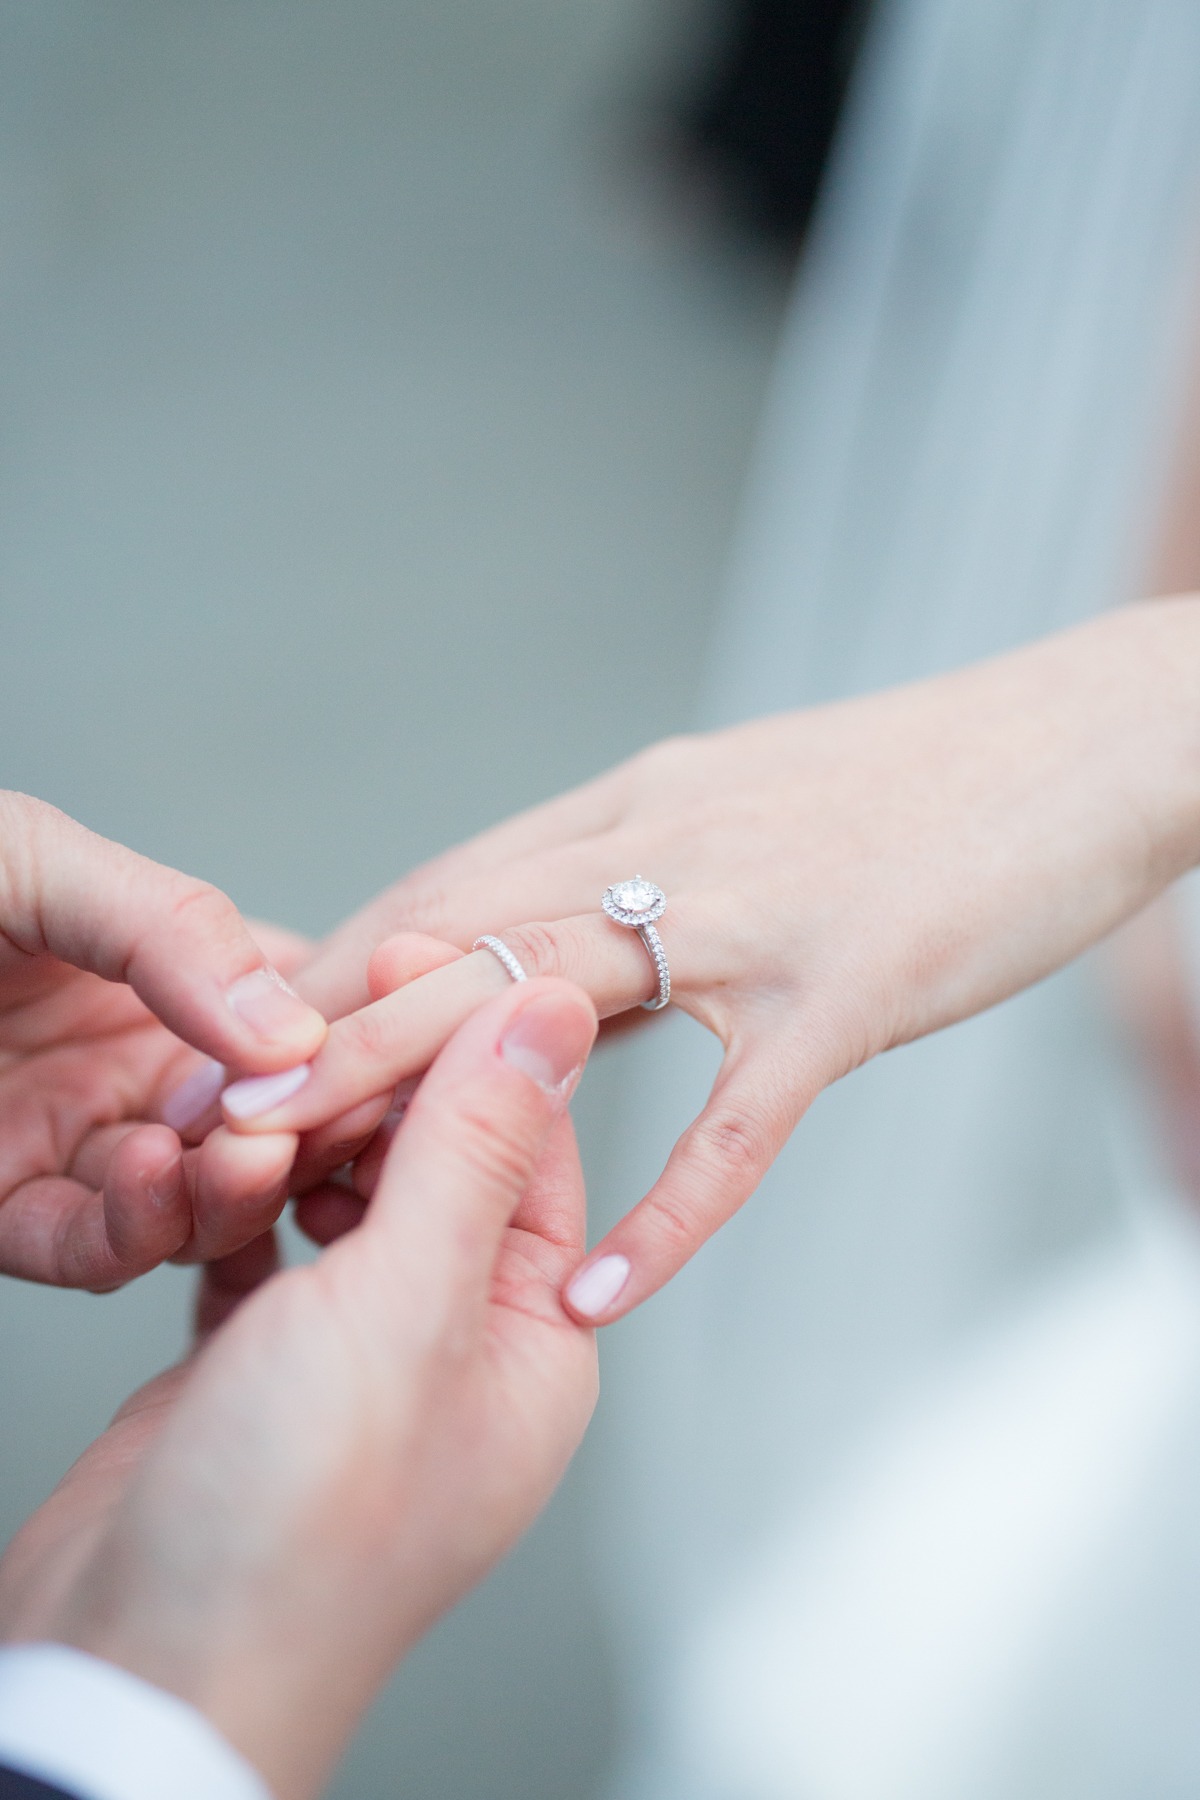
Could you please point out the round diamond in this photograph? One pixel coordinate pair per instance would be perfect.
(635, 896)
(635, 903)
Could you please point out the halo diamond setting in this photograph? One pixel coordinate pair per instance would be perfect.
(635, 902)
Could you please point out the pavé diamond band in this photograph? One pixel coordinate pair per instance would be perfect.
(637, 904)
(503, 955)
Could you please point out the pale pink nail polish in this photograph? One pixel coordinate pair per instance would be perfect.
(194, 1096)
(264, 1001)
(595, 1288)
(259, 1093)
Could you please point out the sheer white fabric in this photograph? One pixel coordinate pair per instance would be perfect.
(903, 1471)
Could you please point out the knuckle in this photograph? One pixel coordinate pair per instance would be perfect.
(677, 1222)
(423, 907)
(188, 908)
(368, 1035)
(739, 1140)
(493, 1145)
(540, 949)
(193, 902)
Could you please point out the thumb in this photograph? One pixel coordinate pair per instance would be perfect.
(179, 943)
(462, 1160)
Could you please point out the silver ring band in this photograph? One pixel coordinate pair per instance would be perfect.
(637, 904)
(658, 956)
(503, 955)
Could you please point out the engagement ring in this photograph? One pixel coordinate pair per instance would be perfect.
(637, 904)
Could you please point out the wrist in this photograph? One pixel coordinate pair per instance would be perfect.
(286, 1700)
(83, 1723)
(276, 1716)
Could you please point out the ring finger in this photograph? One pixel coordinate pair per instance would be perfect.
(396, 1037)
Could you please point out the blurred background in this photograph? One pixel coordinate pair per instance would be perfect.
(372, 419)
(406, 411)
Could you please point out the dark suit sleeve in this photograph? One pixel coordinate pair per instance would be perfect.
(25, 1787)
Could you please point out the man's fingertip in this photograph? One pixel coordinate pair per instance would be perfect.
(549, 1041)
(274, 1012)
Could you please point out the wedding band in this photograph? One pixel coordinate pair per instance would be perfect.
(503, 955)
(636, 904)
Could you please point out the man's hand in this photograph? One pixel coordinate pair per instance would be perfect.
(265, 1530)
(110, 967)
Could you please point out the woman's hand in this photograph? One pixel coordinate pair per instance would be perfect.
(267, 1529)
(839, 881)
(110, 966)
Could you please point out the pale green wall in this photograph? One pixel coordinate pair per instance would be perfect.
(368, 451)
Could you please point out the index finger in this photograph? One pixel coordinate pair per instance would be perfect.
(180, 944)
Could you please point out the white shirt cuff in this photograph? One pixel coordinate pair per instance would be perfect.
(85, 1725)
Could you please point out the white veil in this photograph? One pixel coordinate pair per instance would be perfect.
(970, 419)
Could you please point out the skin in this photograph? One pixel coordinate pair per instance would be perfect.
(424, 1390)
(1147, 961)
(1148, 977)
(110, 967)
(840, 881)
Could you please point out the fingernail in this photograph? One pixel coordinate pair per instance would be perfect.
(193, 1096)
(259, 1093)
(549, 1041)
(165, 1184)
(595, 1288)
(264, 1001)
(393, 1118)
